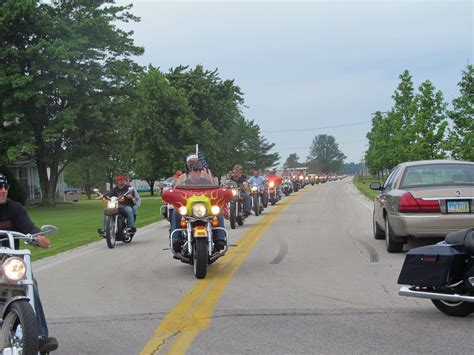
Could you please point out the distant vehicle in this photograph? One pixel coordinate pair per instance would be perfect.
(423, 199)
(169, 182)
(143, 188)
(72, 190)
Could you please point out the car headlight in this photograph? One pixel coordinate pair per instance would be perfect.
(183, 211)
(111, 204)
(215, 210)
(199, 210)
(271, 184)
(14, 269)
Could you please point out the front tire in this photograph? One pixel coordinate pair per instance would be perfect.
(392, 245)
(233, 215)
(110, 231)
(200, 257)
(454, 309)
(20, 329)
(272, 200)
(256, 208)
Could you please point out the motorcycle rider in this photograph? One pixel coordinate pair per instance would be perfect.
(257, 179)
(195, 176)
(136, 196)
(14, 217)
(120, 189)
(241, 180)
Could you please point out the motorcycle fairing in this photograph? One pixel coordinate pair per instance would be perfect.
(180, 197)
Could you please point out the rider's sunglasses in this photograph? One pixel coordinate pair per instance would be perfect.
(4, 186)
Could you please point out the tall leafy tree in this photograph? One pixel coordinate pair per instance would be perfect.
(461, 136)
(292, 161)
(325, 152)
(257, 149)
(429, 124)
(62, 64)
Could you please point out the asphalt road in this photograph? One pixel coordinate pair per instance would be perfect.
(315, 281)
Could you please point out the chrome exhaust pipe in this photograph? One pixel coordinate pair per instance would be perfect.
(406, 291)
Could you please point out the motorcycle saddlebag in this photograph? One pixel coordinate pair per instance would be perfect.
(432, 266)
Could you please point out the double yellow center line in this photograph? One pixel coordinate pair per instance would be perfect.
(194, 311)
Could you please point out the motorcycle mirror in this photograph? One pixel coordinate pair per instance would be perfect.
(48, 228)
(96, 191)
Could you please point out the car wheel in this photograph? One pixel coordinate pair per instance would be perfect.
(378, 232)
(392, 245)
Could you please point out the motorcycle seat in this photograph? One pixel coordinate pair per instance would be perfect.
(463, 237)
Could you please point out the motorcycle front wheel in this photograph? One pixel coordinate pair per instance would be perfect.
(110, 232)
(20, 329)
(200, 257)
(233, 215)
(454, 309)
(256, 208)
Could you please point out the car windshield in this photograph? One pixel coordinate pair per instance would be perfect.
(438, 175)
(197, 179)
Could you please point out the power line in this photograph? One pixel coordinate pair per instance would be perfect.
(315, 129)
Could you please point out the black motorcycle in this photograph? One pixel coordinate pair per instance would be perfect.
(443, 273)
(116, 225)
(236, 208)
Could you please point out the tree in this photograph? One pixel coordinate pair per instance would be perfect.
(63, 63)
(87, 173)
(257, 150)
(162, 127)
(292, 161)
(325, 152)
(461, 136)
(429, 124)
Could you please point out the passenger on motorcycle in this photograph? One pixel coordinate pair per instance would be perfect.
(257, 179)
(241, 180)
(195, 176)
(13, 217)
(136, 196)
(120, 189)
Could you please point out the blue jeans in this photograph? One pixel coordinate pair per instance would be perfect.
(247, 201)
(40, 318)
(130, 217)
(176, 217)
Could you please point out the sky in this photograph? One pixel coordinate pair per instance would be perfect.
(311, 67)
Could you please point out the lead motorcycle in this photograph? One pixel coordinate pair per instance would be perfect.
(198, 202)
(116, 225)
(19, 328)
(443, 273)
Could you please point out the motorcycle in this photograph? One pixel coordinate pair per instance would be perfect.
(236, 209)
(287, 188)
(19, 328)
(256, 195)
(296, 184)
(443, 273)
(116, 225)
(273, 189)
(198, 205)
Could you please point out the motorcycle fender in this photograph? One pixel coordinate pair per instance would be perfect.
(10, 302)
(111, 211)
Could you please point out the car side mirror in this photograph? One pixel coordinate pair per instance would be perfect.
(376, 186)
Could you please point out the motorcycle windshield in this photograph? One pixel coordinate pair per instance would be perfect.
(197, 180)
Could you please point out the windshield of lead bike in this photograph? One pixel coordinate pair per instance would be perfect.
(197, 179)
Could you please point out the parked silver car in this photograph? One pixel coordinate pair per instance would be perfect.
(423, 199)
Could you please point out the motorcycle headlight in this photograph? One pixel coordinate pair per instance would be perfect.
(199, 210)
(183, 211)
(14, 269)
(254, 188)
(215, 210)
(271, 184)
(234, 192)
(111, 204)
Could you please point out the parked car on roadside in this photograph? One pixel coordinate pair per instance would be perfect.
(423, 199)
(143, 188)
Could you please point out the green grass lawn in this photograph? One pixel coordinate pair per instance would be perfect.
(363, 185)
(78, 222)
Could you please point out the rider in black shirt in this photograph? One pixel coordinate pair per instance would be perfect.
(13, 217)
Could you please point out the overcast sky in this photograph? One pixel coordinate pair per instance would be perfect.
(310, 65)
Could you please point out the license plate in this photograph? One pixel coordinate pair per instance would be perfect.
(458, 206)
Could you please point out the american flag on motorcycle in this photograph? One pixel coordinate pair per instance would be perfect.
(203, 162)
